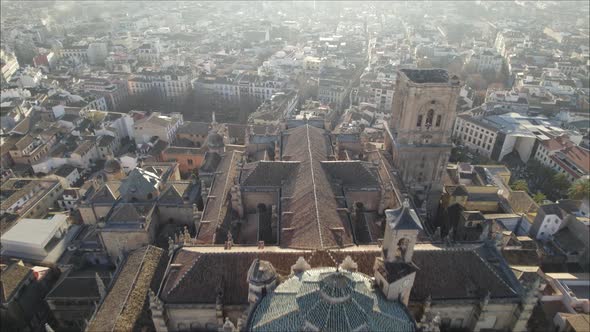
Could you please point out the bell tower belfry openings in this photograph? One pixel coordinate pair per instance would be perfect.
(423, 116)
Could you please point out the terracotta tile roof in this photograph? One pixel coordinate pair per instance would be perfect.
(27, 123)
(124, 304)
(385, 171)
(521, 257)
(24, 142)
(557, 143)
(216, 207)
(131, 212)
(84, 147)
(311, 218)
(268, 173)
(76, 285)
(238, 131)
(180, 150)
(191, 281)
(108, 193)
(11, 278)
(13, 190)
(8, 143)
(195, 128)
(352, 173)
(210, 162)
(444, 273)
(65, 170)
(176, 193)
(579, 322)
(573, 156)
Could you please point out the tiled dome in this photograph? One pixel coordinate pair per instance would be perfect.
(325, 299)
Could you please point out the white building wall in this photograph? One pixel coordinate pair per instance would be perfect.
(524, 147)
(509, 143)
(48, 165)
(550, 225)
(34, 250)
(475, 137)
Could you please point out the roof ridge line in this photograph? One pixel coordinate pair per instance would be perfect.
(346, 315)
(109, 190)
(251, 172)
(488, 265)
(185, 274)
(131, 287)
(271, 319)
(173, 188)
(224, 194)
(315, 196)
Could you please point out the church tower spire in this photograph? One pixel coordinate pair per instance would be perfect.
(394, 271)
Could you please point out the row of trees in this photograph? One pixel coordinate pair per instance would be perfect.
(544, 183)
(195, 106)
(460, 153)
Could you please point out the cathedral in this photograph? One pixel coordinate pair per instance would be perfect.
(402, 282)
(290, 189)
(306, 229)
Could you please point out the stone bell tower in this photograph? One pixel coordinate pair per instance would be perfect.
(424, 109)
(394, 271)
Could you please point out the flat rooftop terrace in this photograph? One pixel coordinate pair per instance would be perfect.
(427, 75)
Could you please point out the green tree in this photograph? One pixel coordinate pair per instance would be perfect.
(458, 155)
(560, 185)
(539, 197)
(520, 185)
(539, 177)
(580, 189)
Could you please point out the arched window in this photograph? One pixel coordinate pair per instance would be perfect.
(438, 120)
(429, 118)
(402, 248)
(419, 122)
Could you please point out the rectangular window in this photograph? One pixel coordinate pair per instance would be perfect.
(438, 120)
(190, 161)
(419, 122)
